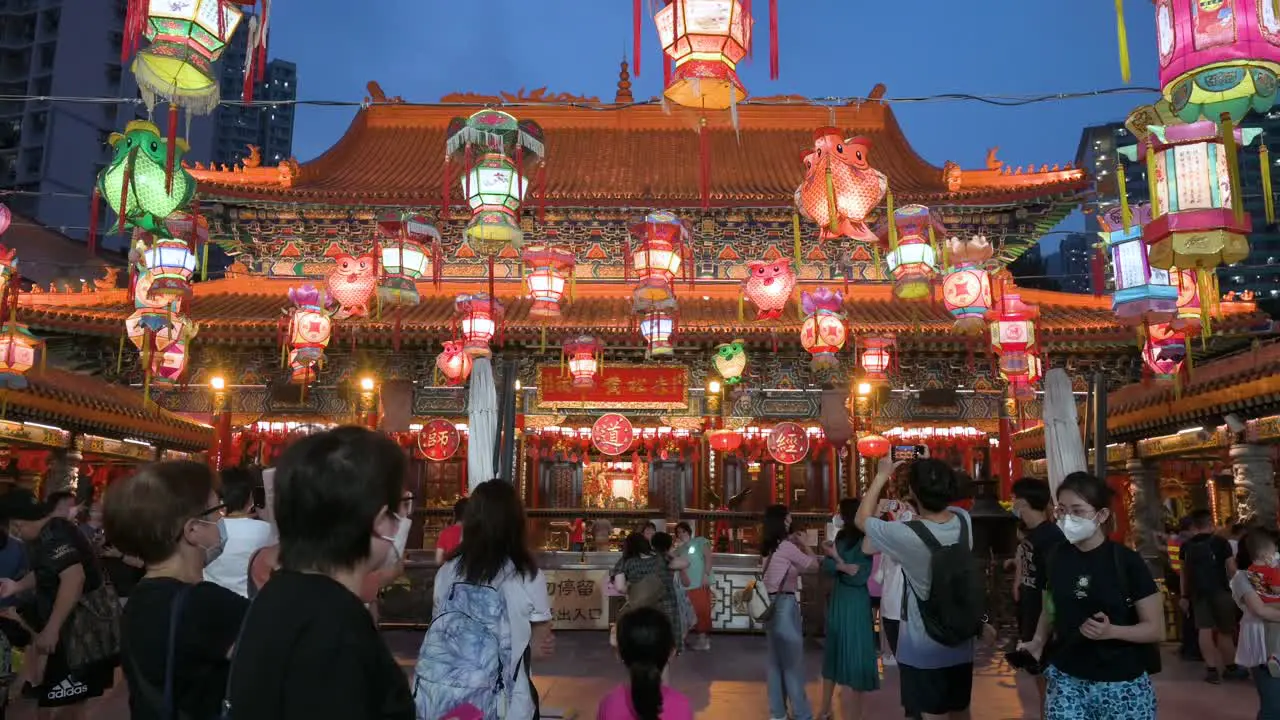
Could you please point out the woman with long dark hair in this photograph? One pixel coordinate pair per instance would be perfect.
(1255, 558)
(647, 577)
(784, 561)
(645, 643)
(849, 654)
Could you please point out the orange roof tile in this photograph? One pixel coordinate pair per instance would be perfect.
(602, 153)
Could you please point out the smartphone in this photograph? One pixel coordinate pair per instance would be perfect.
(907, 452)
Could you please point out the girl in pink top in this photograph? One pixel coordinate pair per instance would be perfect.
(785, 559)
(646, 644)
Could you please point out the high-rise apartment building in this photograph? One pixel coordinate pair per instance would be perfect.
(1072, 265)
(266, 126)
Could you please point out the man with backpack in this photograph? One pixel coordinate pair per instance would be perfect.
(1207, 566)
(943, 596)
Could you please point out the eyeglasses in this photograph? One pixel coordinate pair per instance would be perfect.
(1080, 512)
(220, 510)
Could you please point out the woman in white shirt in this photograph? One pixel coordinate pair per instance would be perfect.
(246, 534)
(1251, 652)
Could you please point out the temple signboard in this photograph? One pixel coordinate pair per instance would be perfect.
(577, 599)
(788, 443)
(652, 387)
(439, 440)
(612, 434)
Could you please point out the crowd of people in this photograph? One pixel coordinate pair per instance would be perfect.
(211, 606)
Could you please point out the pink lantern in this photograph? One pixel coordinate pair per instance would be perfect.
(1164, 352)
(454, 363)
(1191, 318)
(551, 269)
(6, 217)
(823, 333)
(1013, 338)
(769, 286)
(309, 331)
(480, 318)
(966, 289)
(584, 360)
(876, 357)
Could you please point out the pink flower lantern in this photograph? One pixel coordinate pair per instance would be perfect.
(823, 333)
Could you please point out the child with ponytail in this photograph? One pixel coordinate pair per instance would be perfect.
(646, 643)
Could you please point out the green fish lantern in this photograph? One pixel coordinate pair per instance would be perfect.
(135, 185)
(730, 360)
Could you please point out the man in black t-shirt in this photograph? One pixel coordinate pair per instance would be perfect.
(1207, 565)
(1031, 500)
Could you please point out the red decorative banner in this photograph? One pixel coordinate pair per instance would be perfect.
(655, 387)
(788, 443)
(439, 440)
(612, 434)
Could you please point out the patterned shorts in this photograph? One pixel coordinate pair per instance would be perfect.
(1070, 698)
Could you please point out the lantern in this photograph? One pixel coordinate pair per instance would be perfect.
(134, 183)
(662, 239)
(454, 363)
(1013, 338)
(876, 357)
(169, 354)
(823, 333)
(654, 303)
(873, 446)
(1190, 317)
(730, 359)
(8, 266)
(18, 349)
(840, 186)
(584, 360)
(186, 37)
(497, 151)
(170, 263)
(1218, 56)
(913, 260)
(6, 217)
(1143, 293)
(309, 330)
(966, 289)
(724, 440)
(479, 321)
(1164, 351)
(706, 39)
(552, 267)
(769, 286)
(408, 247)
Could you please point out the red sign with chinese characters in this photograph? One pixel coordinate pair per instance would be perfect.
(655, 387)
(439, 440)
(788, 443)
(612, 434)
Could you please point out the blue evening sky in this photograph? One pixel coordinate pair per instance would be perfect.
(423, 49)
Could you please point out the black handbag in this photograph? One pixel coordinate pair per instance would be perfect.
(92, 633)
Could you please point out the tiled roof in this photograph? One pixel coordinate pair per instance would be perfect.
(89, 404)
(249, 310)
(600, 154)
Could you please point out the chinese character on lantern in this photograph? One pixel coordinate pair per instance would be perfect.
(583, 355)
(877, 357)
(661, 243)
(479, 320)
(730, 361)
(551, 268)
(840, 186)
(439, 440)
(612, 434)
(788, 443)
(454, 363)
(309, 330)
(769, 286)
(823, 333)
(1013, 338)
(1164, 351)
(497, 152)
(655, 307)
(1143, 293)
(912, 257)
(705, 39)
(410, 245)
(966, 289)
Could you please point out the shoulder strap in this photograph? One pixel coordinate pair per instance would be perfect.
(235, 652)
(926, 536)
(164, 700)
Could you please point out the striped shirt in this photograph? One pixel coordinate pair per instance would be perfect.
(782, 572)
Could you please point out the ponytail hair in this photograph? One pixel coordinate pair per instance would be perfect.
(645, 642)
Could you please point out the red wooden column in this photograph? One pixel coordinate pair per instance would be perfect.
(221, 446)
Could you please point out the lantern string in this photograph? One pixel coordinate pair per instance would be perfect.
(171, 144)
(1151, 174)
(94, 205)
(1231, 150)
(1126, 214)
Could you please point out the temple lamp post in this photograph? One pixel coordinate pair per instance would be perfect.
(713, 397)
(221, 420)
(368, 408)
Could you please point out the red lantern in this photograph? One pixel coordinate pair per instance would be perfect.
(309, 331)
(439, 440)
(788, 443)
(823, 333)
(1191, 316)
(662, 239)
(1013, 338)
(552, 267)
(724, 440)
(873, 446)
(706, 39)
(454, 363)
(877, 357)
(1164, 351)
(480, 316)
(584, 360)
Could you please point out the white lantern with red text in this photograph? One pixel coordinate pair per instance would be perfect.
(550, 270)
(823, 333)
(583, 358)
(479, 316)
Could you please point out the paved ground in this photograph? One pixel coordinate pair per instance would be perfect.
(728, 683)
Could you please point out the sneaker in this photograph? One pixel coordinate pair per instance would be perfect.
(1212, 677)
(889, 660)
(1235, 672)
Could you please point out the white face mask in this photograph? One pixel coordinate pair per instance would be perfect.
(401, 538)
(837, 521)
(1077, 529)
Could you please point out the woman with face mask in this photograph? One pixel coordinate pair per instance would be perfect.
(1103, 613)
(178, 629)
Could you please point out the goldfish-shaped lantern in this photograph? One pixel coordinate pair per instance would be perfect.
(1164, 351)
(730, 361)
(309, 331)
(966, 289)
(135, 185)
(823, 333)
(769, 286)
(840, 187)
(454, 362)
(351, 284)
(912, 257)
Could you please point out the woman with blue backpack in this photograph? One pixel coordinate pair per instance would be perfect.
(490, 617)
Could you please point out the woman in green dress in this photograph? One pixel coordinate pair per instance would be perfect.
(849, 656)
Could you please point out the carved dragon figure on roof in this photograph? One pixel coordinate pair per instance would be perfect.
(249, 171)
(537, 95)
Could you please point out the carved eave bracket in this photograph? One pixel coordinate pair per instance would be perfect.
(249, 172)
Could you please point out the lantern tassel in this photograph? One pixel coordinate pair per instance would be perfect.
(704, 157)
(773, 39)
(120, 354)
(741, 307)
(1122, 37)
(171, 144)
(666, 79)
(94, 204)
(637, 26)
(446, 180)
(1151, 174)
(125, 187)
(1233, 164)
(833, 212)
(1268, 197)
(1126, 215)
(795, 235)
(893, 226)
(204, 262)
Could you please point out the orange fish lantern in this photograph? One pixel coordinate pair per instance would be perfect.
(840, 187)
(1013, 338)
(1164, 351)
(769, 286)
(309, 331)
(913, 253)
(966, 288)
(705, 39)
(454, 363)
(551, 270)
(823, 333)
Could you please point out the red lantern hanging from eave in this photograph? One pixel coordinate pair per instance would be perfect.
(1013, 338)
(551, 269)
(480, 318)
(724, 440)
(454, 363)
(706, 39)
(873, 446)
(877, 357)
(584, 358)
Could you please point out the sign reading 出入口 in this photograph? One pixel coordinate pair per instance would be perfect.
(577, 599)
(620, 386)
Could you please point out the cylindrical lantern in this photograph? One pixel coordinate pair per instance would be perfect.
(478, 321)
(1190, 317)
(823, 333)
(141, 160)
(769, 286)
(966, 289)
(730, 360)
(877, 357)
(724, 440)
(498, 152)
(655, 305)
(408, 245)
(550, 269)
(310, 328)
(913, 259)
(1164, 352)
(661, 240)
(186, 39)
(1013, 338)
(1218, 56)
(1143, 293)
(454, 363)
(657, 328)
(873, 446)
(583, 357)
(706, 39)
(18, 349)
(170, 263)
